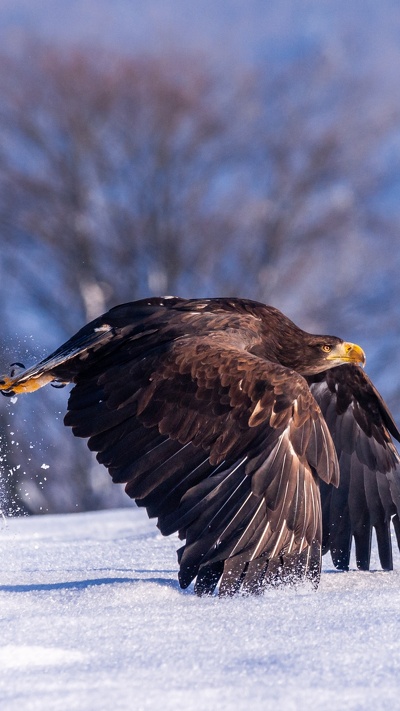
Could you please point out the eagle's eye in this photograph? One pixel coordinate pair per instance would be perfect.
(326, 348)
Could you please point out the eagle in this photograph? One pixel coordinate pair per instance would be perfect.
(263, 446)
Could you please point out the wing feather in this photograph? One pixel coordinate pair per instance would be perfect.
(369, 493)
(219, 444)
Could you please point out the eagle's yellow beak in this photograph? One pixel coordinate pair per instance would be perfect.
(347, 353)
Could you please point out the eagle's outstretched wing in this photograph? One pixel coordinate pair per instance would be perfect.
(216, 442)
(369, 492)
(220, 446)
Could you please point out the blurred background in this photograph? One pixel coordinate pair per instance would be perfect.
(195, 148)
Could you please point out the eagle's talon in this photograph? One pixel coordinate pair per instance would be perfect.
(14, 371)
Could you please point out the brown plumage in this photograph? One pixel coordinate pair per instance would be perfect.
(223, 419)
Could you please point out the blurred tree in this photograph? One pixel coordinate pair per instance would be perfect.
(312, 169)
(109, 164)
(121, 177)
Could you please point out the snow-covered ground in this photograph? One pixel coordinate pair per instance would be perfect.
(92, 618)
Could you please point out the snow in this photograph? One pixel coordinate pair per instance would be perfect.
(92, 618)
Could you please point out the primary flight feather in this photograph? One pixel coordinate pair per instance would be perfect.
(233, 427)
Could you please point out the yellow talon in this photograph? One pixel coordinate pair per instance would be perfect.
(18, 385)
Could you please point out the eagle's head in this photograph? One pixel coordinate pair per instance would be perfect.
(318, 353)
